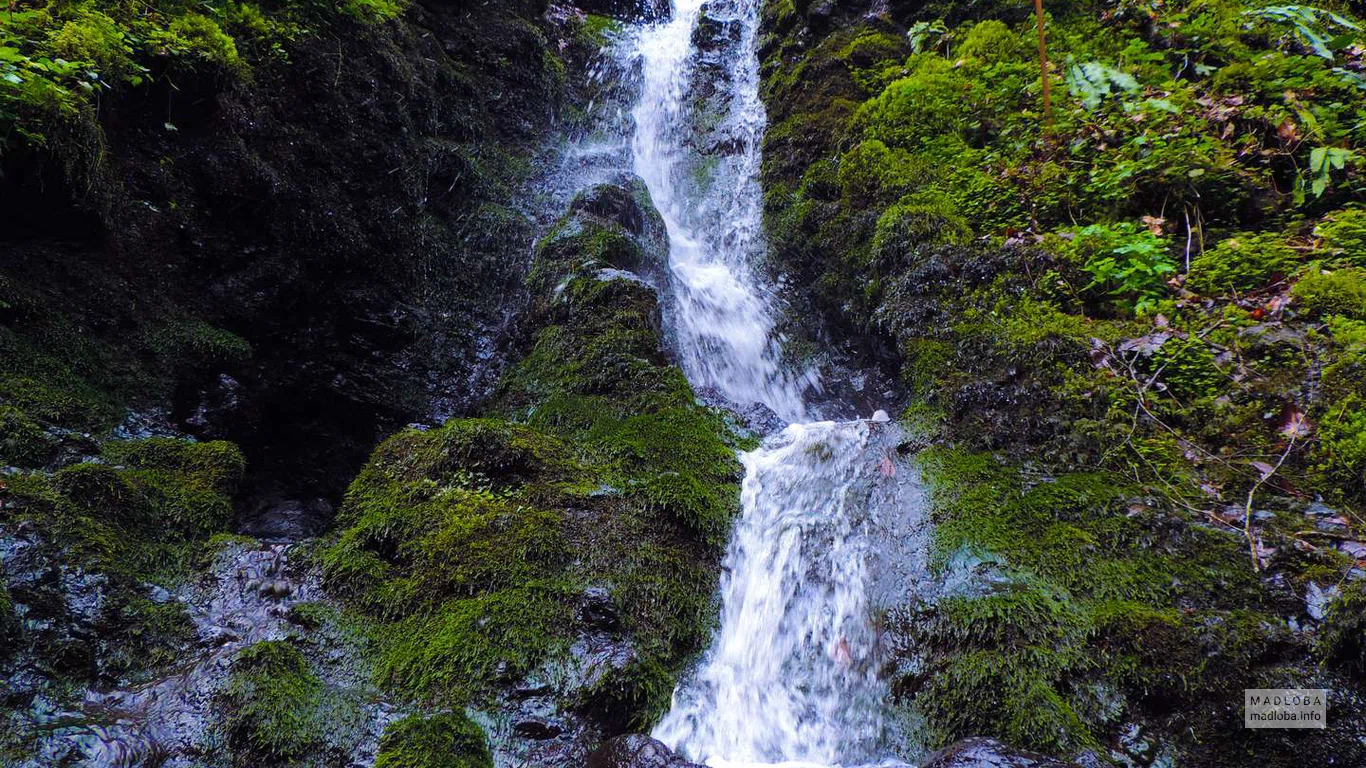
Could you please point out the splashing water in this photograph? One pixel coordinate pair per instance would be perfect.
(791, 678)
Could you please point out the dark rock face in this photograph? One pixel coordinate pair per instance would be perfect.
(345, 213)
(988, 753)
(636, 751)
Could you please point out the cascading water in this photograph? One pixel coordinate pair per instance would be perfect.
(722, 318)
(791, 677)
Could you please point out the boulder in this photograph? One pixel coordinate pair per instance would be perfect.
(988, 753)
(636, 750)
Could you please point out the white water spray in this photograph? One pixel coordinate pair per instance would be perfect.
(791, 678)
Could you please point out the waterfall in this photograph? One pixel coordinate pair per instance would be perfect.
(722, 317)
(791, 677)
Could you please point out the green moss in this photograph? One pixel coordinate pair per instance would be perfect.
(1341, 641)
(468, 546)
(150, 635)
(270, 703)
(1338, 292)
(991, 41)
(1343, 234)
(1076, 572)
(9, 623)
(931, 102)
(462, 648)
(216, 465)
(195, 342)
(1341, 449)
(23, 443)
(1247, 261)
(916, 220)
(632, 698)
(448, 740)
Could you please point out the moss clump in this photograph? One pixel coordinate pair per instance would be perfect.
(217, 465)
(271, 701)
(933, 101)
(1241, 263)
(632, 698)
(1342, 444)
(197, 343)
(1343, 235)
(9, 622)
(1341, 641)
(148, 517)
(448, 740)
(1337, 292)
(23, 443)
(991, 41)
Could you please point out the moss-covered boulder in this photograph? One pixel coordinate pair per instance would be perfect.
(271, 704)
(566, 543)
(95, 544)
(448, 740)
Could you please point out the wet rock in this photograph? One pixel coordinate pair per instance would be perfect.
(625, 202)
(988, 753)
(289, 519)
(636, 750)
(538, 728)
(712, 34)
(597, 609)
(629, 10)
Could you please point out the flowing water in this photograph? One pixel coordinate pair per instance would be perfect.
(792, 675)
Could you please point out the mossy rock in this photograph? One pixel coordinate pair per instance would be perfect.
(447, 740)
(23, 442)
(1341, 641)
(631, 698)
(270, 703)
(1342, 234)
(1342, 292)
(1244, 262)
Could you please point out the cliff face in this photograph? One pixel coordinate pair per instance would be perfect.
(1113, 320)
(298, 257)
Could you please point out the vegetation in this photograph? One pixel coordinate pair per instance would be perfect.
(441, 741)
(1113, 319)
(58, 58)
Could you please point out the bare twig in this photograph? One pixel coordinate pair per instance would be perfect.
(1247, 510)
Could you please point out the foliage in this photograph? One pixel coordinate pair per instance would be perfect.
(1243, 262)
(1343, 236)
(1126, 260)
(55, 59)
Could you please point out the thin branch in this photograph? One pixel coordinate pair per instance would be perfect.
(1247, 511)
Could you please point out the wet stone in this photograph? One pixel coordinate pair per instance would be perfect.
(988, 753)
(636, 750)
(538, 728)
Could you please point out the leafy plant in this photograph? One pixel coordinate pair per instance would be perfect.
(1127, 260)
(1322, 162)
(1311, 26)
(927, 35)
(1092, 82)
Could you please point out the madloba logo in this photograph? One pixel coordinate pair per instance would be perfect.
(1285, 708)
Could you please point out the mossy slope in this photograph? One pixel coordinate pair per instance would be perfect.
(1122, 319)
